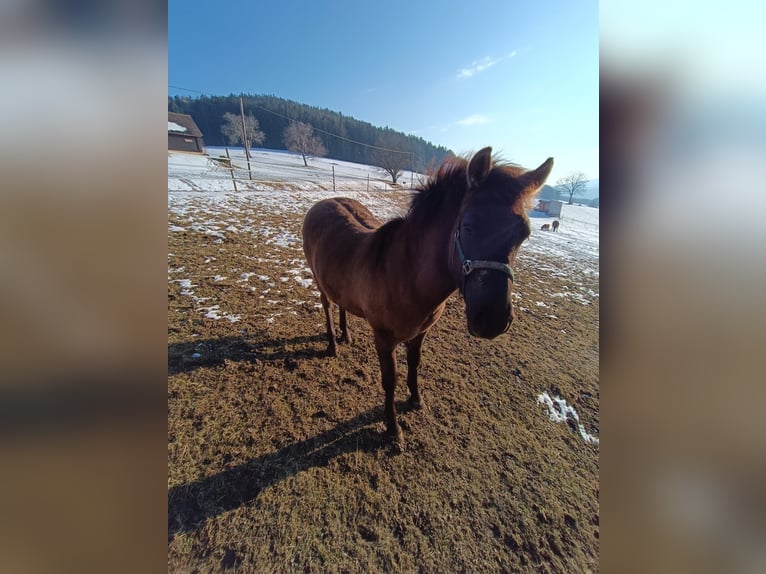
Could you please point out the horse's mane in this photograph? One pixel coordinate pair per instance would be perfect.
(448, 186)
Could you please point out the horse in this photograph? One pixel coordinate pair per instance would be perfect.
(462, 231)
(555, 225)
(546, 227)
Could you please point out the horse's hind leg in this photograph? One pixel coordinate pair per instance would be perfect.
(332, 347)
(344, 336)
(413, 362)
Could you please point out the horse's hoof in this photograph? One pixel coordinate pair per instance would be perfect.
(332, 351)
(394, 434)
(416, 404)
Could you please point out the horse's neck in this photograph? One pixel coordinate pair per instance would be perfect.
(429, 251)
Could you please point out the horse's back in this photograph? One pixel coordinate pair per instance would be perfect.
(335, 233)
(337, 220)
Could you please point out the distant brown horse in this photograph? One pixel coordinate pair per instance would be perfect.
(545, 227)
(462, 231)
(555, 225)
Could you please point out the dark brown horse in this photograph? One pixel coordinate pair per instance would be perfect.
(462, 232)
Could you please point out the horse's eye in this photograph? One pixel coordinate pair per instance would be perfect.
(467, 228)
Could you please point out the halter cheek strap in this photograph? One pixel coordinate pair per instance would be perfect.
(468, 265)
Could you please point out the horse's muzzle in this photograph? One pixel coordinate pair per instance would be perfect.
(488, 325)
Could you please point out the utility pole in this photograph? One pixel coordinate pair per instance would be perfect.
(244, 136)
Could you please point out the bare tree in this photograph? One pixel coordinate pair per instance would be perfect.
(389, 157)
(574, 184)
(300, 138)
(232, 129)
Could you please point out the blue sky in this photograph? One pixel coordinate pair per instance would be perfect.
(519, 76)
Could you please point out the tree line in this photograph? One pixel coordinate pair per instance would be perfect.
(274, 116)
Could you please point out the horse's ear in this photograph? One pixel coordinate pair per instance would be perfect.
(479, 167)
(533, 180)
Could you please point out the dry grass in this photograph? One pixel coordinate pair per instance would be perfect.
(275, 458)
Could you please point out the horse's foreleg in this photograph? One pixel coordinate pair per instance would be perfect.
(385, 348)
(413, 361)
(332, 347)
(344, 336)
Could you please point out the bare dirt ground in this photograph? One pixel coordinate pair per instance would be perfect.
(276, 461)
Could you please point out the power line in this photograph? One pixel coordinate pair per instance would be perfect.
(293, 119)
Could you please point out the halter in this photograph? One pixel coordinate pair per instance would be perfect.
(468, 265)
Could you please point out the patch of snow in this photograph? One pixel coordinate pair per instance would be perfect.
(174, 127)
(214, 312)
(304, 282)
(560, 412)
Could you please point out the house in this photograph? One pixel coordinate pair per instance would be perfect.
(550, 207)
(542, 205)
(183, 134)
(554, 208)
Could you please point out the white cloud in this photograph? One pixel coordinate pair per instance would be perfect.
(474, 120)
(476, 67)
(481, 65)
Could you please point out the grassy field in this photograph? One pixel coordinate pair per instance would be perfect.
(276, 461)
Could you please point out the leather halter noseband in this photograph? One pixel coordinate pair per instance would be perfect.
(468, 265)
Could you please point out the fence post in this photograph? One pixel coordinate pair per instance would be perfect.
(231, 168)
(333, 179)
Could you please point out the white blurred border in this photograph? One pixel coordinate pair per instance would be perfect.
(682, 381)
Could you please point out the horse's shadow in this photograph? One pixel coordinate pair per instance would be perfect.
(189, 505)
(251, 348)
